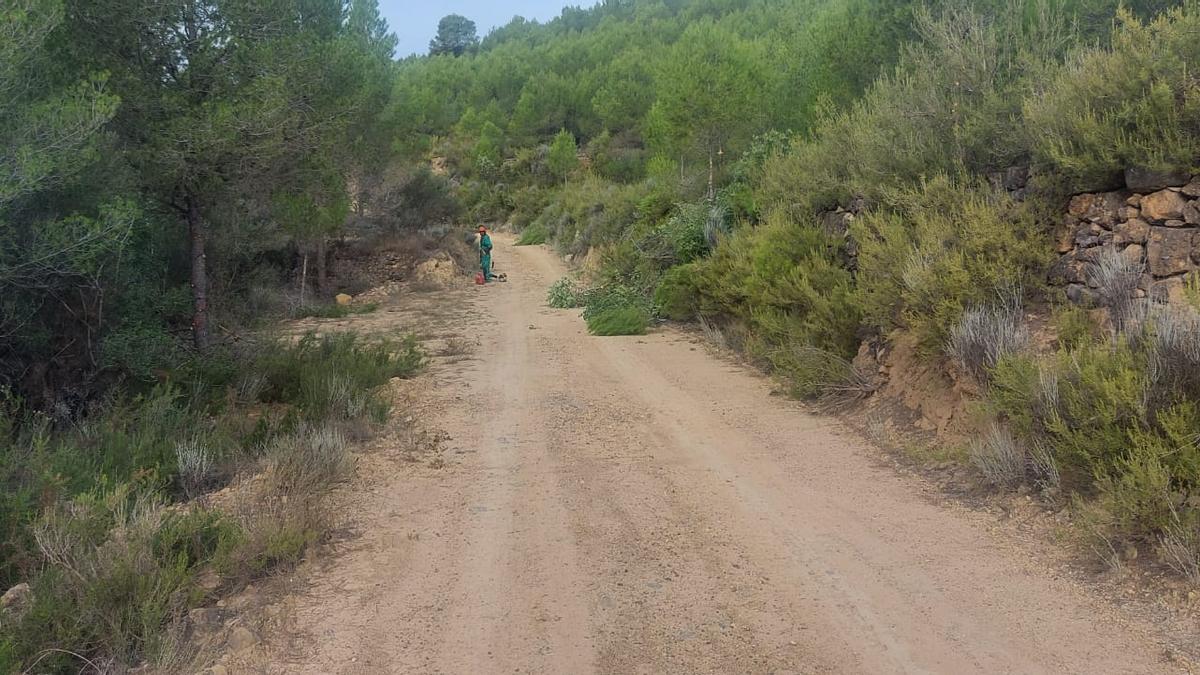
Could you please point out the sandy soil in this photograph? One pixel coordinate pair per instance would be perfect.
(636, 505)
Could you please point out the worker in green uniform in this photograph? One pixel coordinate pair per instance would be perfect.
(485, 253)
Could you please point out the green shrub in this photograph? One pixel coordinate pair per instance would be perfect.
(141, 351)
(332, 375)
(818, 375)
(603, 298)
(565, 294)
(533, 235)
(785, 282)
(309, 460)
(334, 310)
(119, 568)
(952, 105)
(620, 320)
(1073, 326)
(677, 295)
(591, 212)
(939, 248)
(1120, 431)
(1130, 103)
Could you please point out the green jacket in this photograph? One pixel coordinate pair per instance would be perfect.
(485, 244)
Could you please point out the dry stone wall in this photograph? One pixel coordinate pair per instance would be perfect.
(1156, 228)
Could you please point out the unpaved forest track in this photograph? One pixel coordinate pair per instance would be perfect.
(635, 505)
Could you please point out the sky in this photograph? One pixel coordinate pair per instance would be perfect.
(415, 21)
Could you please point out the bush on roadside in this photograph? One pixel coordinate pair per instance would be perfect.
(984, 335)
(533, 235)
(677, 296)
(821, 376)
(119, 567)
(565, 294)
(333, 310)
(1132, 103)
(332, 375)
(1118, 419)
(935, 250)
(85, 512)
(619, 320)
(1000, 457)
(784, 282)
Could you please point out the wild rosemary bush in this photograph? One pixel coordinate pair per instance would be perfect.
(939, 248)
(783, 280)
(1119, 419)
(1132, 103)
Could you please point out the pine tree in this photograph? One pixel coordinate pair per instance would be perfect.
(366, 24)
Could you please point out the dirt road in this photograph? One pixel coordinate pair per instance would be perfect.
(636, 505)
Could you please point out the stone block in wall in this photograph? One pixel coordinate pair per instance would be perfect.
(1192, 189)
(1066, 236)
(1101, 208)
(1146, 180)
(1068, 270)
(1169, 251)
(1170, 290)
(1132, 232)
(1081, 295)
(1134, 253)
(1164, 205)
(1191, 213)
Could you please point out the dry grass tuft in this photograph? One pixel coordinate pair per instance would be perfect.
(984, 335)
(999, 457)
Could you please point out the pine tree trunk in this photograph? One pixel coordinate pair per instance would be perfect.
(197, 235)
(322, 271)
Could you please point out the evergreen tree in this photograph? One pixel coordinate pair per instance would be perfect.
(563, 157)
(456, 35)
(366, 24)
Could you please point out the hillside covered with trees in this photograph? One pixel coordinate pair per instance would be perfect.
(819, 181)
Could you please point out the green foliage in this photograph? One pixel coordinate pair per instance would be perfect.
(120, 568)
(1191, 290)
(331, 376)
(1073, 326)
(334, 310)
(953, 104)
(619, 320)
(590, 213)
(423, 199)
(708, 88)
(562, 158)
(613, 297)
(456, 35)
(565, 294)
(1129, 454)
(678, 295)
(783, 280)
(940, 247)
(533, 235)
(1130, 103)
